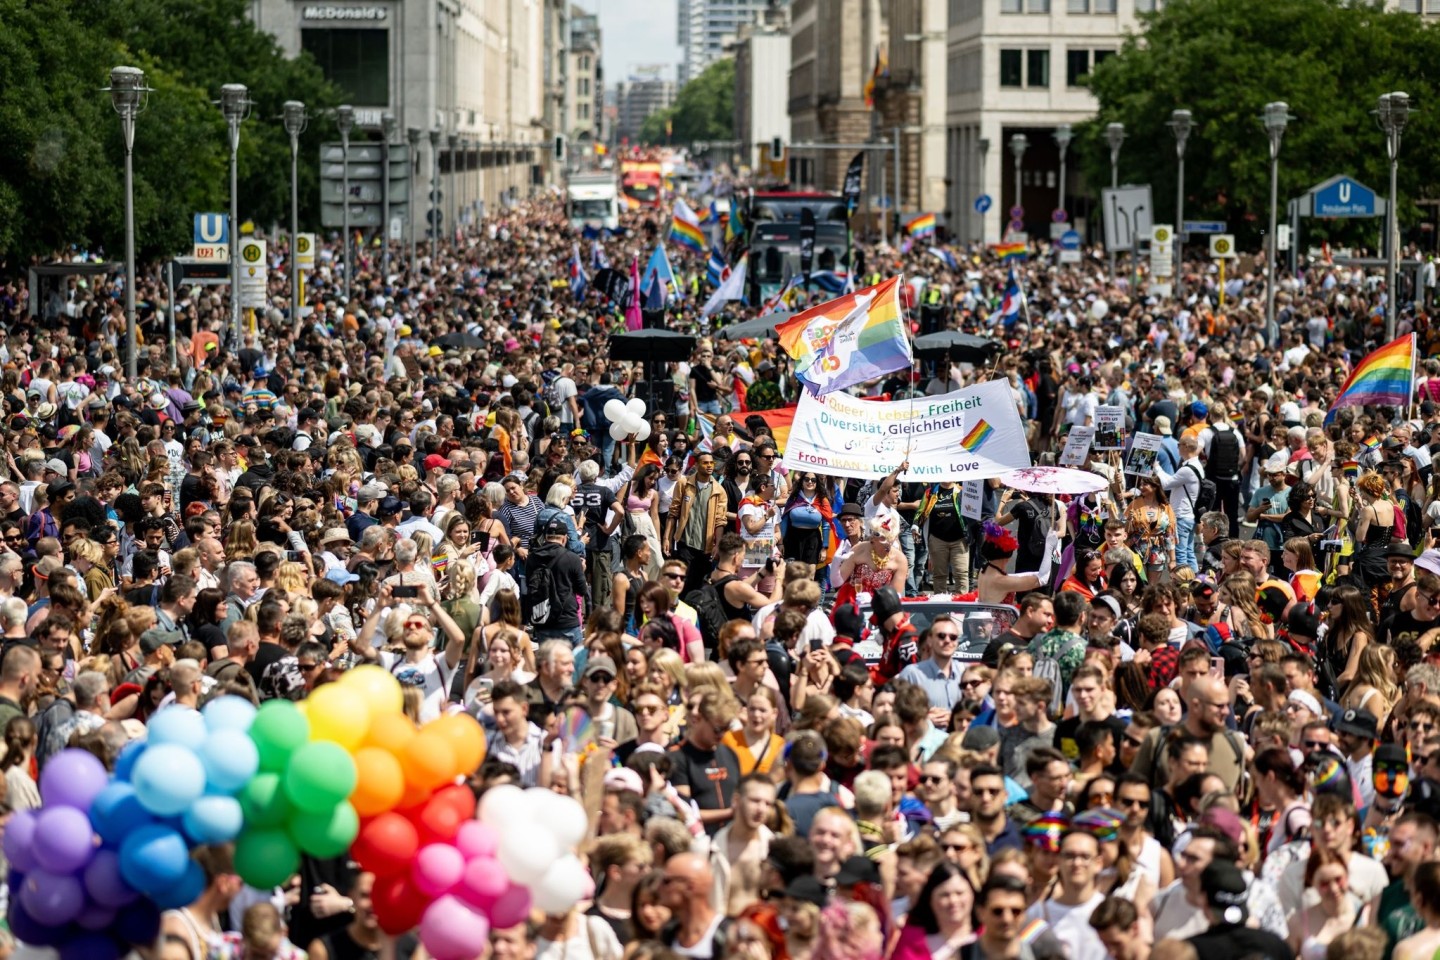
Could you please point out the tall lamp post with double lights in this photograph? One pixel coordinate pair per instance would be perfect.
(434, 188)
(1275, 117)
(412, 137)
(128, 95)
(1180, 125)
(235, 104)
(452, 140)
(345, 122)
(1064, 134)
(1019, 143)
(295, 122)
(1392, 111)
(1114, 138)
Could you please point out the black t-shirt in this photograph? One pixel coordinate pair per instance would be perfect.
(1231, 940)
(945, 521)
(595, 501)
(1065, 736)
(192, 488)
(711, 776)
(624, 931)
(1404, 626)
(991, 656)
(266, 654)
(705, 392)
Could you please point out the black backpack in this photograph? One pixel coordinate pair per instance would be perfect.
(542, 595)
(709, 606)
(1224, 454)
(1207, 496)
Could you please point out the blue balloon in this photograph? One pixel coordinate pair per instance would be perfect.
(230, 758)
(178, 725)
(229, 713)
(115, 813)
(214, 820)
(19, 841)
(139, 923)
(29, 930)
(153, 858)
(90, 946)
(104, 883)
(183, 892)
(125, 759)
(168, 779)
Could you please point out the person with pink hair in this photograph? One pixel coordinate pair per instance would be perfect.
(849, 930)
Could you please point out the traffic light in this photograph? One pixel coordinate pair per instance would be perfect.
(560, 148)
(777, 149)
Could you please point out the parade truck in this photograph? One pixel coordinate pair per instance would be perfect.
(592, 200)
(775, 216)
(642, 181)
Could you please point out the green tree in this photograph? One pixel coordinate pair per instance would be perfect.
(1223, 60)
(703, 110)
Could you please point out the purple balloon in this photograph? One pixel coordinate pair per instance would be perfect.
(64, 841)
(90, 946)
(52, 899)
(72, 778)
(20, 841)
(450, 930)
(95, 917)
(104, 883)
(139, 923)
(29, 930)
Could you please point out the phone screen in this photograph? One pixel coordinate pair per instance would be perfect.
(1217, 667)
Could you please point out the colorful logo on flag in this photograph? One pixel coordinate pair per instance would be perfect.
(977, 436)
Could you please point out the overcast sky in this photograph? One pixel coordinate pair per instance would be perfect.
(635, 33)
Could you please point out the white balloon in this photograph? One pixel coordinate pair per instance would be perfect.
(505, 808)
(618, 431)
(527, 854)
(614, 409)
(1099, 309)
(636, 406)
(643, 433)
(567, 822)
(560, 888)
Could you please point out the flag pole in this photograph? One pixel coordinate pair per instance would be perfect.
(910, 376)
(1024, 297)
(1414, 356)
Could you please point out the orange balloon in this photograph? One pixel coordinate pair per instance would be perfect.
(414, 797)
(465, 737)
(379, 782)
(390, 732)
(428, 760)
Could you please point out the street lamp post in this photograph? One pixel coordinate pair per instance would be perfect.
(982, 146)
(1180, 124)
(235, 105)
(1275, 117)
(453, 142)
(412, 137)
(345, 121)
(1063, 135)
(1114, 136)
(434, 189)
(1019, 143)
(1393, 111)
(295, 119)
(127, 95)
(387, 135)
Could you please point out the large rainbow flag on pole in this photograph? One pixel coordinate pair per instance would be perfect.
(685, 227)
(1386, 376)
(851, 339)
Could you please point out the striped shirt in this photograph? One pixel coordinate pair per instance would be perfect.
(519, 520)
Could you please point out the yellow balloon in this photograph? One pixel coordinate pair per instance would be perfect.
(339, 715)
(378, 688)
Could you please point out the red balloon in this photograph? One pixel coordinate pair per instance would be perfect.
(459, 797)
(386, 845)
(438, 821)
(398, 905)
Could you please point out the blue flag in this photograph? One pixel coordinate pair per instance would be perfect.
(715, 267)
(657, 275)
(578, 280)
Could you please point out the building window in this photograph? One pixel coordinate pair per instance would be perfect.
(1010, 67)
(1078, 6)
(1037, 6)
(1432, 7)
(584, 86)
(1077, 67)
(1037, 68)
(1011, 6)
(1105, 6)
(1101, 56)
(1145, 6)
(356, 61)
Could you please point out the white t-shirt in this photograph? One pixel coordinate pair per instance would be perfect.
(564, 390)
(434, 676)
(1072, 926)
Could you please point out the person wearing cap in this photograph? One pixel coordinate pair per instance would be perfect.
(555, 583)
(1357, 731)
(852, 525)
(1270, 503)
(1169, 454)
(1222, 897)
(615, 726)
(366, 501)
(335, 547)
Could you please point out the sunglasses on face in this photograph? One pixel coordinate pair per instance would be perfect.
(931, 778)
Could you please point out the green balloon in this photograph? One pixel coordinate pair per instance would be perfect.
(320, 775)
(327, 834)
(279, 729)
(265, 858)
(263, 801)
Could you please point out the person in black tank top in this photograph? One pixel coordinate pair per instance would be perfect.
(727, 565)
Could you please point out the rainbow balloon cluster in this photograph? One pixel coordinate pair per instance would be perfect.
(343, 770)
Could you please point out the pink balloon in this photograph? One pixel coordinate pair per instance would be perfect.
(452, 931)
(483, 883)
(510, 907)
(477, 839)
(438, 868)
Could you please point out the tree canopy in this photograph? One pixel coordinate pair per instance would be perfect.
(704, 109)
(62, 154)
(1224, 60)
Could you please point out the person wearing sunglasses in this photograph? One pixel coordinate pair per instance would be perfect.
(615, 725)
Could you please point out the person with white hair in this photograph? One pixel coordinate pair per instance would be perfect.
(12, 618)
(411, 569)
(557, 506)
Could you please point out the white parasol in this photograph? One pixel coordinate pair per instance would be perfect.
(1053, 480)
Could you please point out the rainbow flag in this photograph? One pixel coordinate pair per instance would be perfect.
(854, 338)
(685, 228)
(1010, 251)
(921, 226)
(1386, 376)
(1351, 469)
(977, 436)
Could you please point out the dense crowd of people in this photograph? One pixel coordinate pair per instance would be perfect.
(1202, 714)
